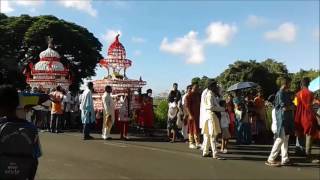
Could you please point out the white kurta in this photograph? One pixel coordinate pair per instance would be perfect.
(123, 110)
(202, 118)
(108, 106)
(86, 107)
(211, 124)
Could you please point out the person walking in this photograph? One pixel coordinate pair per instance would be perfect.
(193, 109)
(124, 117)
(87, 111)
(305, 117)
(108, 112)
(184, 129)
(211, 128)
(56, 109)
(283, 126)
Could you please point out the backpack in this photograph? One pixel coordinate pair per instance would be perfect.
(17, 149)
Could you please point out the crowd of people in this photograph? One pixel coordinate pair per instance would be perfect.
(200, 118)
(215, 116)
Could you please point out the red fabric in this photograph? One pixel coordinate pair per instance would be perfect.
(230, 109)
(305, 119)
(193, 127)
(232, 123)
(147, 114)
(124, 129)
(193, 105)
(116, 120)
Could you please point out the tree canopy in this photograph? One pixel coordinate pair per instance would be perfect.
(265, 73)
(23, 38)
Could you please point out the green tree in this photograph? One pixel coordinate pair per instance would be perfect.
(202, 82)
(297, 77)
(161, 113)
(23, 38)
(248, 71)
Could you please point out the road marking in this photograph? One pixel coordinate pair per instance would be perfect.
(165, 150)
(122, 145)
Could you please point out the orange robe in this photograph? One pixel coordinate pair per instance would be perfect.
(305, 119)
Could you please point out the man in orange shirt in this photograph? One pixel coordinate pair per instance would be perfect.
(56, 110)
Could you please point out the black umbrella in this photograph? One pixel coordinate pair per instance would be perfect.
(242, 85)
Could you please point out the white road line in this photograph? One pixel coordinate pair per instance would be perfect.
(116, 144)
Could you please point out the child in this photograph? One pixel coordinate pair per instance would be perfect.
(224, 122)
(172, 120)
(124, 118)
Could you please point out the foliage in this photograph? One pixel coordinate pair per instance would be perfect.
(202, 82)
(23, 38)
(161, 113)
(264, 74)
(297, 77)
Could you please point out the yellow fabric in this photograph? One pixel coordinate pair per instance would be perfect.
(28, 100)
(295, 101)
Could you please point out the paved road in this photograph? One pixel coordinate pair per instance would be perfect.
(67, 156)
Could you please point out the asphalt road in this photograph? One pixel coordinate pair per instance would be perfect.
(67, 156)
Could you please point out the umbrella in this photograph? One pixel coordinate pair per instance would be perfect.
(241, 85)
(315, 84)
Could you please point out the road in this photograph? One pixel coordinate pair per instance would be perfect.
(67, 156)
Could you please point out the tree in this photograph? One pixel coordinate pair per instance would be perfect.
(202, 82)
(161, 113)
(265, 74)
(23, 38)
(297, 77)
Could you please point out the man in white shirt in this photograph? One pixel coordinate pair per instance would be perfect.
(211, 126)
(108, 112)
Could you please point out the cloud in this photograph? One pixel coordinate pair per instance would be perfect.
(188, 46)
(110, 35)
(220, 33)
(81, 5)
(255, 21)
(316, 33)
(286, 32)
(5, 7)
(29, 3)
(138, 40)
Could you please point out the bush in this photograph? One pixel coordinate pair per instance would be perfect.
(161, 114)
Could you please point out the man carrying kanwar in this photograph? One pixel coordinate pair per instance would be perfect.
(87, 111)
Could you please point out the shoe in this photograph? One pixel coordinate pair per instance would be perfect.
(198, 146)
(207, 155)
(287, 163)
(225, 151)
(192, 146)
(88, 137)
(272, 163)
(104, 137)
(217, 157)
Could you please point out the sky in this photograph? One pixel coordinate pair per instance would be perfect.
(174, 41)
